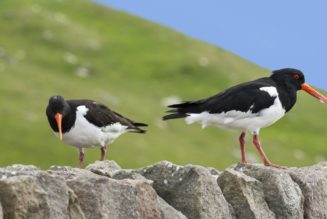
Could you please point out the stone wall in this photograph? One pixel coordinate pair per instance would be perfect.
(164, 191)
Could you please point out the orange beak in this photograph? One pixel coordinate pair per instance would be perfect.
(313, 92)
(58, 118)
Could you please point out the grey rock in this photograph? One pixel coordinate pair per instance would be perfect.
(104, 168)
(28, 192)
(74, 209)
(91, 190)
(18, 169)
(103, 197)
(1, 212)
(193, 190)
(213, 171)
(313, 183)
(245, 194)
(232, 211)
(138, 195)
(282, 194)
(167, 211)
(163, 191)
(129, 174)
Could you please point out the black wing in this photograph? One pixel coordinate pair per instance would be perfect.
(100, 115)
(242, 97)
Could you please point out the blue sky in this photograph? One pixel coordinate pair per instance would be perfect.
(272, 34)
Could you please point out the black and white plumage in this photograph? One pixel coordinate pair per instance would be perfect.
(86, 123)
(248, 106)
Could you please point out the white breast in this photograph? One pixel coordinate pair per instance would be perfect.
(85, 134)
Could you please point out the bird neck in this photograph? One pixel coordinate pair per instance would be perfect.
(287, 96)
(68, 119)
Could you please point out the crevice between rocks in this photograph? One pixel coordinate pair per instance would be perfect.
(302, 193)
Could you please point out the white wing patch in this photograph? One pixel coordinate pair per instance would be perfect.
(272, 91)
(115, 128)
(82, 110)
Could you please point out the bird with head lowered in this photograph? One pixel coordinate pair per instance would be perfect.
(86, 123)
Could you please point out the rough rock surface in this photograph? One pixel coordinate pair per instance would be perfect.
(28, 192)
(191, 189)
(245, 194)
(1, 213)
(282, 194)
(104, 197)
(259, 192)
(104, 168)
(313, 184)
(163, 191)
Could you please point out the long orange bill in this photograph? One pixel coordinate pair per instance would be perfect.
(58, 118)
(313, 92)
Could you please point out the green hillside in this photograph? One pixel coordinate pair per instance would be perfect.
(82, 50)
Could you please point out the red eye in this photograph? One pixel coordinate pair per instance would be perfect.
(296, 76)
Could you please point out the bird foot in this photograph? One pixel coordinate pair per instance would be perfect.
(268, 164)
(80, 165)
(245, 162)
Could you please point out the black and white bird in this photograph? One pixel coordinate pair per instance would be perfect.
(249, 106)
(86, 123)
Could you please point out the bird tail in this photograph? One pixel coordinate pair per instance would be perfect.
(137, 129)
(182, 110)
(174, 116)
(139, 124)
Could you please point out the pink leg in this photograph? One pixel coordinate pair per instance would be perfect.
(103, 152)
(242, 143)
(81, 157)
(266, 162)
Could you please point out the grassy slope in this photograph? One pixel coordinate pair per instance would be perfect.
(133, 64)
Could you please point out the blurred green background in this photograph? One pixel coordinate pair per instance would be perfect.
(79, 49)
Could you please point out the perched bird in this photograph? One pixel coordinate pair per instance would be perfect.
(86, 123)
(249, 106)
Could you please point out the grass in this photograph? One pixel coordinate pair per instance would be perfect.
(80, 49)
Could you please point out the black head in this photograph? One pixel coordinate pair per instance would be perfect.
(289, 77)
(57, 104)
(292, 80)
(57, 109)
